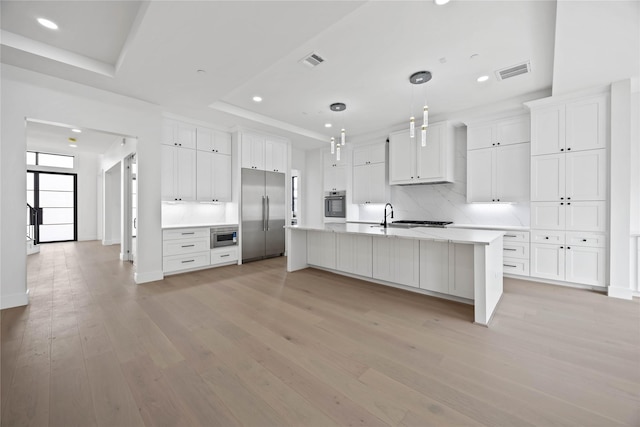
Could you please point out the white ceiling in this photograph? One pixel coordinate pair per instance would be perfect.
(253, 48)
(56, 137)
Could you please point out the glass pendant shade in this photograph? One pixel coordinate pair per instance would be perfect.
(423, 135)
(412, 127)
(338, 153)
(343, 137)
(425, 116)
(333, 145)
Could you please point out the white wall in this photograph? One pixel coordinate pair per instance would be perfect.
(312, 186)
(112, 205)
(27, 94)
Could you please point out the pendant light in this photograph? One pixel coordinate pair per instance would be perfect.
(336, 107)
(419, 78)
(333, 145)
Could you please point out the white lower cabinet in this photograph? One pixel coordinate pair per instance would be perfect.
(354, 254)
(321, 249)
(185, 249)
(447, 268)
(396, 260)
(580, 258)
(224, 255)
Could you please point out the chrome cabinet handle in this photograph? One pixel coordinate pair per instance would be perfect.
(509, 265)
(510, 235)
(225, 255)
(508, 249)
(191, 260)
(188, 246)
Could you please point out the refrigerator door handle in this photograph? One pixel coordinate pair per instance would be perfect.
(263, 215)
(267, 221)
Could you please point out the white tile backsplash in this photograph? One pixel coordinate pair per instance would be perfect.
(187, 213)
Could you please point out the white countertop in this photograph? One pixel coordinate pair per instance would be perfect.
(455, 235)
(173, 227)
(490, 227)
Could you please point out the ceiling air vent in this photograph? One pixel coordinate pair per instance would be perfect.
(514, 70)
(312, 60)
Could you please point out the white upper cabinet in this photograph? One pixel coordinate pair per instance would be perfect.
(213, 177)
(369, 174)
(411, 163)
(179, 134)
(512, 130)
(512, 173)
(253, 151)
(571, 126)
(480, 175)
(213, 140)
(178, 173)
(275, 156)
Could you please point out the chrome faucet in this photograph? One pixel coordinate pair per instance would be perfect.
(384, 223)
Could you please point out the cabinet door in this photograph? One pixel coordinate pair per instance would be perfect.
(253, 151)
(586, 175)
(547, 261)
(586, 216)
(354, 254)
(586, 124)
(377, 183)
(512, 173)
(548, 215)
(361, 184)
(275, 153)
(205, 139)
(222, 142)
(169, 132)
(548, 130)
(321, 249)
(186, 174)
(585, 265)
(335, 178)
(432, 165)
(402, 152)
(461, 275)
(548, 177)
(221, 177)
(434, 266)
(513, 131)
(186, 135)
(369, 155)
(383, 259)
(168, 170)
(480, 136)
(480, 167)
(406, 262)
(204, 176)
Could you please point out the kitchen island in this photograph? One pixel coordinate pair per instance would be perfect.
(459, 264)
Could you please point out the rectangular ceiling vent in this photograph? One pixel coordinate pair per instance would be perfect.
(312, 60)
(514, 70)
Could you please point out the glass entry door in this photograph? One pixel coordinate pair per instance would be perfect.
(54, 195)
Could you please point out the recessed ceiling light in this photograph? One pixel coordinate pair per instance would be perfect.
(73, 145)
(76, 130)
(440, 2)
(257, 99)
(327, 125)
(482, 79)
(48, 24)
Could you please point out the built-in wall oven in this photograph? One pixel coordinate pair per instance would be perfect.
(335, 204)
(224, 236)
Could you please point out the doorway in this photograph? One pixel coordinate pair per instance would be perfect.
(54, 196)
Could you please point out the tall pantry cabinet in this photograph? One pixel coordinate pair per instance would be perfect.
(569, 181)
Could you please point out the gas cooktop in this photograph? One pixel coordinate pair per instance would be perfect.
(409, 223)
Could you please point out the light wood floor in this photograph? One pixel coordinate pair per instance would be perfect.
(255, 346)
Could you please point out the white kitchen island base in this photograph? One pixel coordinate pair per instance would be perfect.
(462, 265)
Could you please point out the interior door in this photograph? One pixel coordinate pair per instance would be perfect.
(253, 205)
(54, 195)
(275, 210)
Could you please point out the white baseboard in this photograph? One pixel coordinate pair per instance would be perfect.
(15, 300)
(150, 276)
(87, 238)
(622, 293)
(110, 242)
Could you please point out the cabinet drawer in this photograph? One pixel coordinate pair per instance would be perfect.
(516, 236)
(185, 233)
(518, 267)
(224, 255)
(185, 262)
(586, 239)
(547, 236)
(516, 250)
(185, 246)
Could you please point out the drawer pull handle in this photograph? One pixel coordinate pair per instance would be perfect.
(509, 265)
(547, 237)
(510, 235)
(193, 232)
(509, 249)
(225, 255)
(584, 240)
(188, 246)
(191, 260)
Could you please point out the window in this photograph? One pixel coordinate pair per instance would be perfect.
(36, 158)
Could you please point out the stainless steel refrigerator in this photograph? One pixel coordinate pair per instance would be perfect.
(263, 212)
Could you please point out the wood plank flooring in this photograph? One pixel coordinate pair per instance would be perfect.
(253, 345)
